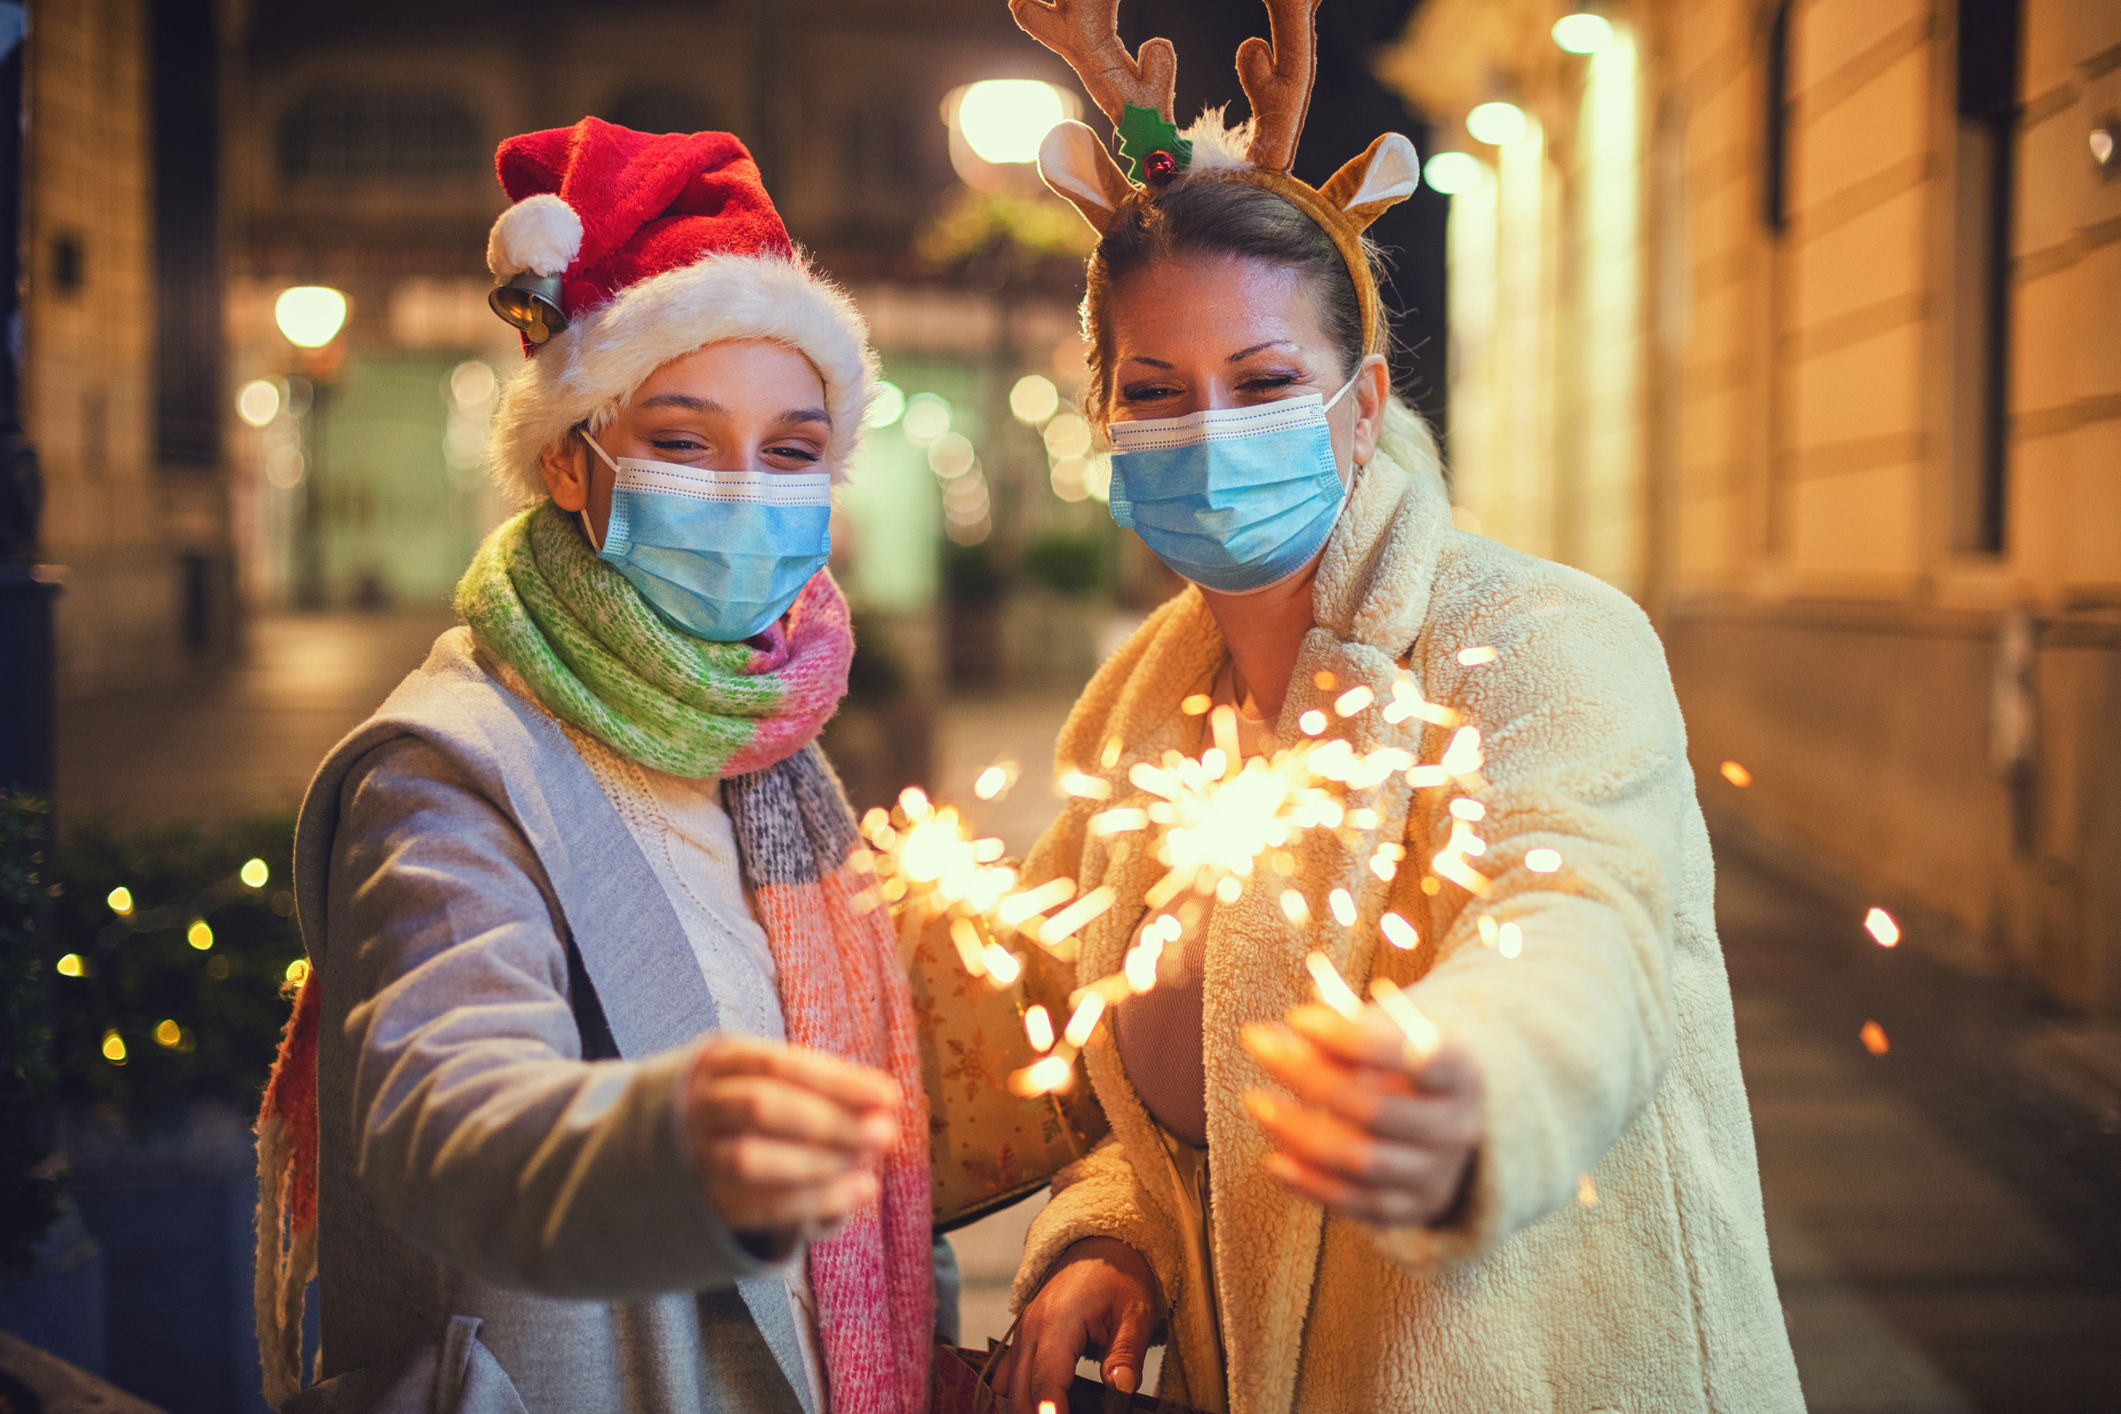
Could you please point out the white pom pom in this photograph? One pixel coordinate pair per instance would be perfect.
(540, 234)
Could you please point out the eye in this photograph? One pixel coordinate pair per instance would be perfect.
(792, 451)
(1267, 383)
(681, 445)
(1147, 392)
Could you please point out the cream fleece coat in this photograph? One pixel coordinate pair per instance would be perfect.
(1607, 1045)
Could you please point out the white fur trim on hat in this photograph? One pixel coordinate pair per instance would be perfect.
(541, 234)
(589, 370)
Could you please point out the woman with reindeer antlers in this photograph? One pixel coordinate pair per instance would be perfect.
(1555, 1208)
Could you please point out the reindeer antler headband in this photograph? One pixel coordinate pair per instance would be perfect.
(1136, 91)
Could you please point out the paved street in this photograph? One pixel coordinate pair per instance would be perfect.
(1943, 1216)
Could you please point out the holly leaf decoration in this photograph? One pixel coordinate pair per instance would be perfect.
(1143, 131)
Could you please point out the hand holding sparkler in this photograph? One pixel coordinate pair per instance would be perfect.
(1386, 1119)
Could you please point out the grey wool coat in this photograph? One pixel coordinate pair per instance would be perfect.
(505, 1223)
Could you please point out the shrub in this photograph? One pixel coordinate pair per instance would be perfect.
(152, 1010)
(28, 1195)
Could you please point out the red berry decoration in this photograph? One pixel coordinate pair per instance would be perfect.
(1161, 167)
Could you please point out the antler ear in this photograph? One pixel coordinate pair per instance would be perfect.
(1076, 165)
(1276, 78)
(1381, 178)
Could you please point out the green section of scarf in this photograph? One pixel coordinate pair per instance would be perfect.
(597, 656)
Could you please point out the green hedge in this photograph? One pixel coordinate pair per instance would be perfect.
(29, 1197)
(147, 1016)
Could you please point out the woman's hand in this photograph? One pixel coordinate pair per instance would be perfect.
(1101, 1299)
(785, 1138)
(1377, 1135)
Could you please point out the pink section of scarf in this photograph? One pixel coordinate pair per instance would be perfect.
(807, 650)
(844, 993)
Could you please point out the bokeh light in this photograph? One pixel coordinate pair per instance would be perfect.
(1034, 398)
(887, 404)
(310, 315)
(927, 419)
(1496, 123)
(1582, 33)
(1452, 172)
(254, 873)
(1004, 120)
(258, 402)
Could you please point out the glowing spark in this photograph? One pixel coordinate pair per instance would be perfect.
(168, 1034)
(1312, 722)
(1422, 1036)
(914, 801)
(254, 873)
(1462, 757)
(1140, 965)
(1222, 723)
(1586, 1191)
(1486, 924)
(1324, 681)
(1428, 775)
(1044, 1076)
(120, 900)
(1045, 1406)
(1354, 700)
(1017, 907)
(1087, 1013)
(1873, 1037)
(1076, 914)
(1197, 705)
(114, 1048)
(70, 965)
(1343, 907)
(1881, 926)
(1229, 889)
(1002, 965)
(1398, 932)
(1295, 907)
(1736, 774)
(1084, 787)
(298, 971)
(1384, 864)
(1467, 809)
(994, 781)
(1110, 756)
(1364, 819)
(971, 948)
(1509, 940)
(1333, 989)
(1038, 1028)
(1118, 822)
(1451, 867)
(1474, 657)
(199, 935)
(1542, 861)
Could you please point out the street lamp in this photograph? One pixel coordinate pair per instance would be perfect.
(310, 317)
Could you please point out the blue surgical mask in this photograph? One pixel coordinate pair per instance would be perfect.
(1234, 499)
(720, 554)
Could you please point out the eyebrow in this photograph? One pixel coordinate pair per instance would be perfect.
(708, 406)
(1240, 354)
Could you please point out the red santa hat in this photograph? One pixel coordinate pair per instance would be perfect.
(624, 250)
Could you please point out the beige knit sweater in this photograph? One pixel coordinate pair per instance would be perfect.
(1607, 1045)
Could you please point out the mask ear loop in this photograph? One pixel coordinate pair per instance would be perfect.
(583, 514)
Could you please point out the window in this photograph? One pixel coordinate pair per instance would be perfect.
(353, 133)
(1775, 163)
(1987, 102)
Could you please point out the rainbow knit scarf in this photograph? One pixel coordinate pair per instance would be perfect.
(598, 657)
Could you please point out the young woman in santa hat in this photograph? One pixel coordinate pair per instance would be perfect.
(601, 1091)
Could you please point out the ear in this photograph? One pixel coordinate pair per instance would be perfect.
(565, 468)
(1076, 165)
(1381, 178)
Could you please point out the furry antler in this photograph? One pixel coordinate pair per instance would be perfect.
(1086, 34)
(1277, 81)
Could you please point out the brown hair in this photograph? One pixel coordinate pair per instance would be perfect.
(1219, 216)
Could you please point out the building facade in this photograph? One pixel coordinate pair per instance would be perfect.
(1798, 320)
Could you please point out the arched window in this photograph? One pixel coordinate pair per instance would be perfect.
(355, 133)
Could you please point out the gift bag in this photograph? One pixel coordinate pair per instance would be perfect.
(988, 1147)
(962, 1386)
